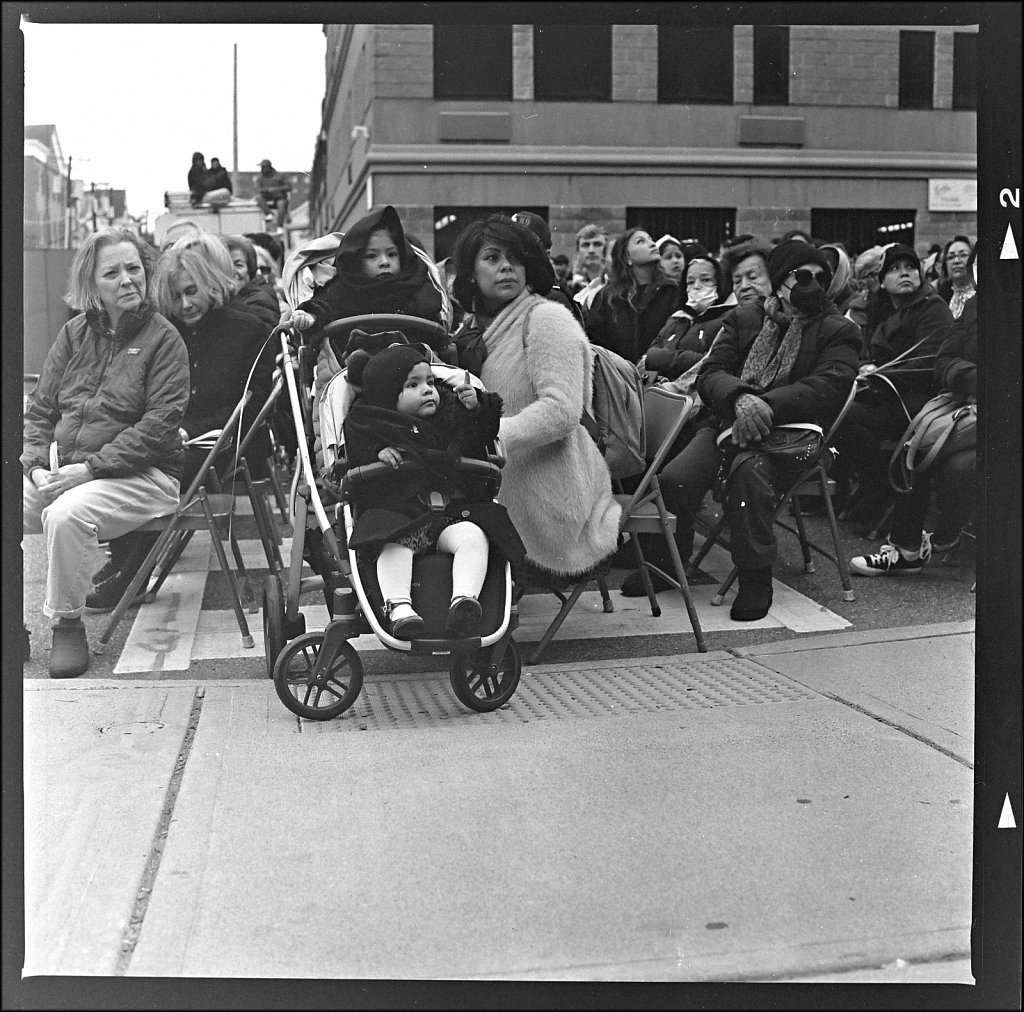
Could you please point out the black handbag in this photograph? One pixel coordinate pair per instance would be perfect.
(794, 445)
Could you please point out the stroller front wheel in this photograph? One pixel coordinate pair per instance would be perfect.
(478, 686)
(317, 696)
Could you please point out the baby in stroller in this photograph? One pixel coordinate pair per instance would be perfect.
(403, 415)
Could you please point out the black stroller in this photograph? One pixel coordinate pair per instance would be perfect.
(318, 675)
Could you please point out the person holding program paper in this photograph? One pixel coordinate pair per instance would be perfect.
(227, 346)
(102, 449)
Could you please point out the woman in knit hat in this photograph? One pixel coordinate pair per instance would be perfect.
(905, 344)
(402, 415)
(789, 359)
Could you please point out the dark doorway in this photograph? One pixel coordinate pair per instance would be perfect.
(859, 228)
(450, 221)
(708, 225)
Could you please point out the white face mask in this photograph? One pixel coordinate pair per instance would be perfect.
(702, 297)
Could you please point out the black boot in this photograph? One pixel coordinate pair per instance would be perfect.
(754, 598)
(128, 552)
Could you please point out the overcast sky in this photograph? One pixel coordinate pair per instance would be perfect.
(132, 102)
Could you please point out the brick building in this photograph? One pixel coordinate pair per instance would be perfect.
(860, 133)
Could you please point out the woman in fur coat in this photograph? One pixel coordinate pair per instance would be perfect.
(556, 485)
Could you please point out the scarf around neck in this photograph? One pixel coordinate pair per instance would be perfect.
(770, 360)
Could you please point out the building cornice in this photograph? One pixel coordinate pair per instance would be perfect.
(439, 158)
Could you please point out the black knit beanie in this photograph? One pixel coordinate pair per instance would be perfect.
(895, 252)
(791, 255)
(385, 374)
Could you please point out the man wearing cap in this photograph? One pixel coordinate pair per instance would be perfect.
(539, 227)
(916, 326)
(789, 358)
(272, 190)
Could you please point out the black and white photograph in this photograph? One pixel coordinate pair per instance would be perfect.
(513, 515)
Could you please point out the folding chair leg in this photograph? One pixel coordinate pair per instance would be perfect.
(645, 576)
(844, 571)
(876, 532)
(563, 612)
(247, 640)
(175, 547)
(137, 583)
(275, 481)
(606, 598)
(719, 597)
(801, 531)
(252, 605)
(709, 543)
(684, 588)
(266, 526)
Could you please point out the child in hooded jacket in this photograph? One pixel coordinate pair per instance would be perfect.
(376, 271)
(402, 415)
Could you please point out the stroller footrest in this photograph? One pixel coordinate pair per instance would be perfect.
(461, 646)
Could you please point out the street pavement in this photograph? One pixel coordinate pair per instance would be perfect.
(795, 805)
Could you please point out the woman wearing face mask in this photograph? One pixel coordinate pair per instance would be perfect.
(628, 312)
(918, 323)
(689, 331)
(789, 359)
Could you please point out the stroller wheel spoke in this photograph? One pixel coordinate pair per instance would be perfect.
(480, 688)
(315, 697)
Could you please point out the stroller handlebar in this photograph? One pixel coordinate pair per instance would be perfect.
(387, 321)
(490, 468)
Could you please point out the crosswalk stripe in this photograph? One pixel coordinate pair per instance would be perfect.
(173, 631)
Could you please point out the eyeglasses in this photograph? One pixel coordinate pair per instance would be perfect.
(957, 256)
(265, 271)
(803, 276)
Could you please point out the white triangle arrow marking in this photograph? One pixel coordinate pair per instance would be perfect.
(1009, 251)
(1006, 820)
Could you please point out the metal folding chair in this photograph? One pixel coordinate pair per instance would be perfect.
(197, 510)
(813, 480)
(644, 512)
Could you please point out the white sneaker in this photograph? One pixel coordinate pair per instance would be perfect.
(890, 560)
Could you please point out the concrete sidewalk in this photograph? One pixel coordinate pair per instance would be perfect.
(794, 811)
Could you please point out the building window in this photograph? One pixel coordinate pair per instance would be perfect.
(965, 70)
(572, 63)
(450, 221)
(695, 65)
(473, 62)
(710, 226)
(917, 69)
(771, 65)
(861, 228)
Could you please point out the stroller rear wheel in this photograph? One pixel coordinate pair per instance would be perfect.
(317, 697)
(481, 687)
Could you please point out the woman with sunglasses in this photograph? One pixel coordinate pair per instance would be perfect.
(791, 358)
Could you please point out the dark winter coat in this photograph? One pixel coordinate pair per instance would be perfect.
(399, 500)
(259, 299)
(924, 316)
(819, 383)
(221, 351)
(411, 292)
(684, 340)
(629, 330)
(956, 363)
(114, 401)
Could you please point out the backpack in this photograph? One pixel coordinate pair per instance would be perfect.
(617, 421)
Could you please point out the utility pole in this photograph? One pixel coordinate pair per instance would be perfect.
(95, 227)
(234, 181)
(67, 210)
